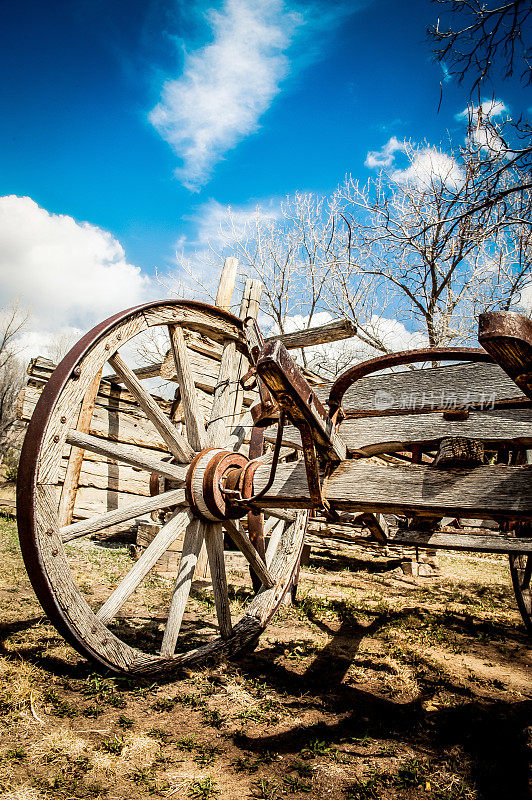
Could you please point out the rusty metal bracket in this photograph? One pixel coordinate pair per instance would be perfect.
(242, 493)
(316, 486)
(284, 392)
(293, 394)
(322, 448)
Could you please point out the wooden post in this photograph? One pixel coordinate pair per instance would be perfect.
(227, 283)
(75, 459)
(223, 300)
(249, 307)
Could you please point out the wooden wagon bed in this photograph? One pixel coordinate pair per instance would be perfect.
(252, 451)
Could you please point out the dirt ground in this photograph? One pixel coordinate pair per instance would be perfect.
(372, 686)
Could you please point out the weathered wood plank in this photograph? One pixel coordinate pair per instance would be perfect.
(143, 459)
(205, 367)
(124, 423)
(461, 541)
(249, 307)
(377, 525)
(331, 332)
(221, 412)
(384, 434)
(176, 443)
(129, 511)
(392, 433)
(100, 473)
(226, 284)
(428, 390)
(486, 491)
(75, 459)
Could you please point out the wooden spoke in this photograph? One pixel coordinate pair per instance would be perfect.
(194, 422)
(187, 564)
(177, 444)
(269, 524)
(248, 550)
(127, 454)
(214, 541)
(162, 541)
(75, 459)
(240, 432)
(222, 411)
(175, 497)
(275, 538)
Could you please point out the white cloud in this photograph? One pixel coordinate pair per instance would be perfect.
(227, 85)
(385, 156)
(429, 166)
(218, 225)
(447, 77)
(426, 165)
(478, 118)
(488, 108)
(69, 275)
(216, 231)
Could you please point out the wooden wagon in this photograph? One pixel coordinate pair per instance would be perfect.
(413, 457)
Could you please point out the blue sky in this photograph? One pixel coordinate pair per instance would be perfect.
(140, 117)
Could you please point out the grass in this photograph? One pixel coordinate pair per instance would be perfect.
(293, 784)
(203, 789)
(365, 788)
(320, 700)
(265, 789)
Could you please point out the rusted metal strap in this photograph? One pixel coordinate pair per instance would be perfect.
(291, 391)
(346, 379)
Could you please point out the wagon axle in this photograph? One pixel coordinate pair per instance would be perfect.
(213, 478)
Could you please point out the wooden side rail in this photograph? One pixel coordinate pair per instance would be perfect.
(388, 434)
(485, 492)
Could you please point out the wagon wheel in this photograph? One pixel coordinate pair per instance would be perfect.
(93, 627)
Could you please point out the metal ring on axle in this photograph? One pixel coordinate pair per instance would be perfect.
(205, 480)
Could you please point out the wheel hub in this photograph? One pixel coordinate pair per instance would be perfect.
(212, 474)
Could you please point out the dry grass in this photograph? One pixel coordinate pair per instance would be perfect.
(372, 686)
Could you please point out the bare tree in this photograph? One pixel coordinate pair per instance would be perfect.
(438, 250)
(411, 257)
(12, 322)
(481, 36)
